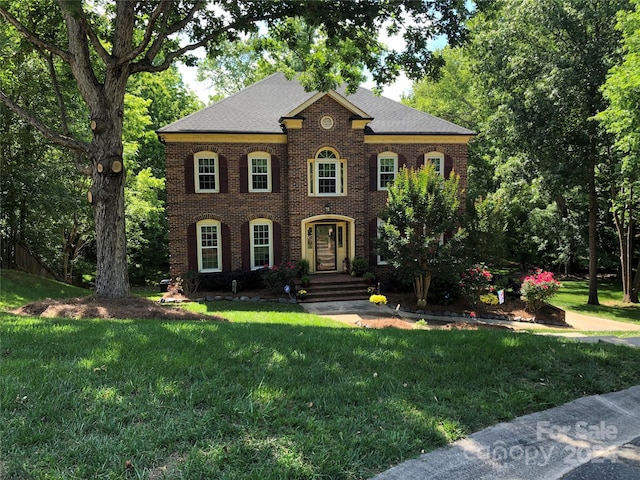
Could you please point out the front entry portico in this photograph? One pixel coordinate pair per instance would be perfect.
(327, 241)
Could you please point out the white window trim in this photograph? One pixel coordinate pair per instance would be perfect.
(435, 157)
(250, 158)
(252, 224)
(196, 170)
(207, 223)
(379, 260)
(313, 180)
(386, 155)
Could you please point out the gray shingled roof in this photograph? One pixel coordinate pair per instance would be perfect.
(258, 109)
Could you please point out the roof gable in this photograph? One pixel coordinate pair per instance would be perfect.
(260, 108)
(333, 94)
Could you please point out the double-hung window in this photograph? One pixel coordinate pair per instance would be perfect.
(437, 160)
(387, 168)
(206, 172)
(327, 174)
(209, 246)
(261, 231)
(259, 172)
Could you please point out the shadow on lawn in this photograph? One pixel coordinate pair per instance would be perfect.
(341, 403)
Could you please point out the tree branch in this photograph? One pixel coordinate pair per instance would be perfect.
(64, 124)
(168, 30)
(62, 140)
(163, 8)
(95, 41)
(33, 38)
(146, 64)
(80, 60)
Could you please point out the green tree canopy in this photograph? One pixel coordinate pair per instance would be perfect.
(422, 207)
(622, 119)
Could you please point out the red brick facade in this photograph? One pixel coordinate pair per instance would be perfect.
(289, 205)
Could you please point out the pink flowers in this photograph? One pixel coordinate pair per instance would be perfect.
(474, 282)
(537, 288)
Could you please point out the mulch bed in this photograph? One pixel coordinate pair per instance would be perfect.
(99, 307)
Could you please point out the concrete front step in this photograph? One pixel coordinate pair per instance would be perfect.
(328, 288)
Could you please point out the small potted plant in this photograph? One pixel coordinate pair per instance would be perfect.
(369, 278)
(305, 280)
(302, 294)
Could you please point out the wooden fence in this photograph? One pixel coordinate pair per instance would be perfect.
(27, 262)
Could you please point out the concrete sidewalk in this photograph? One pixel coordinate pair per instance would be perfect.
(595, 437)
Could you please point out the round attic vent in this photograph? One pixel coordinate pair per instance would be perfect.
(327, 122)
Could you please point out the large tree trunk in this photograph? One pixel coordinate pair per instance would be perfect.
(104, 95)
(108, 210)
(107, 199)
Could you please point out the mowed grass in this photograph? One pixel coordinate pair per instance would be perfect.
(17, 289)
(574, 294)
(273, 394)
(81, 398)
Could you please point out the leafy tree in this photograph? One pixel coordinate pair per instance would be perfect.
(622, 119)
(152, 100)
(43, 193)
(421, 208)
(234, 65)
(104, 43)
(542, 64)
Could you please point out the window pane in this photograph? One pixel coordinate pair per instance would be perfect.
(209, 258)
(209, 246)
(261, 257)
(209, 235)
(261, 246)
(207, 173)
(261, 234)
(387, 171)
(259, 174)
(327, 178)
(326, 154)
(437, 164)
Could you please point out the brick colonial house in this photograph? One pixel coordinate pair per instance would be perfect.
(274, 173)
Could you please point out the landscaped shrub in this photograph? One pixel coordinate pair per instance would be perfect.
(393, 280)
(537, 288)
(490, 299)
(221, 282)
(359, 266)
(276, 277)
(444, 289)
(475, 281)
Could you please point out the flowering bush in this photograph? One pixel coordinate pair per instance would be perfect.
(475, 281)
(378, 299)
(277, 276)
(537, 288)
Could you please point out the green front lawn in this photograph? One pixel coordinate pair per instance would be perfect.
(574, 294)
(274, 394)
(80, 398)
(17, 289)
